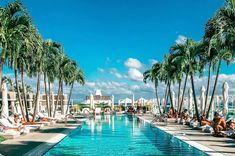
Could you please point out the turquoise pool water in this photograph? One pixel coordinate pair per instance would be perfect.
(120, 135)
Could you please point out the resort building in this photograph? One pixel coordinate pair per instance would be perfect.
(98, 98)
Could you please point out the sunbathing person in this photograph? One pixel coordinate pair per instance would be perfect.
(205, 121)
(185, 118)
(219, 124)
(231, 125)
(171, 114)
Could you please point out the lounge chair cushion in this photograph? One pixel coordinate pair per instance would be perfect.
(4, 122)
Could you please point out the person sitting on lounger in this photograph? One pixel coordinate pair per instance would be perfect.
(219, 124)
(205, 121)
(171, 113)
(184, 117)
(231, 125)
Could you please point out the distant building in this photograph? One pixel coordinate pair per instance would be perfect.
(98, 98)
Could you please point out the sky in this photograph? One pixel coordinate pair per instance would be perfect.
(114, 42)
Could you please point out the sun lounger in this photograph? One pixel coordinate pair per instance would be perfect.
(10, 134)
(8, 126)
(228, 132)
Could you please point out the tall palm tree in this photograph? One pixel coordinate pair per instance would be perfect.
(220, 35)
(152, 75)
(76, 75)
(14, 23)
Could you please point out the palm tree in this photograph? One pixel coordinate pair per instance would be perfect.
(76, 75)
(220, 36)
(63, 63)
(14, 22)
(152, 75)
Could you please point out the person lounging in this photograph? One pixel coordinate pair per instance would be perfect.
(219, 124)
(171, 113)
(204, 121)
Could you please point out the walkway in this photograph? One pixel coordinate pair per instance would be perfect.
(224, 146)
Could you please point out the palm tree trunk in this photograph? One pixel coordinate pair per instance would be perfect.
(57, 100)
(214, 89)
(46, 93)
(178, 105)
(37, 96)
(182, 100)
(19, 95)
(156, 92)
(171, 97)
(195, 98)
(207, 88)
(70, 93)
(24, 94)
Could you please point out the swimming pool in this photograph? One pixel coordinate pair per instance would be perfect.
(121, 135)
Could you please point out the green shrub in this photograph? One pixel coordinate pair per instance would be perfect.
(2, 139)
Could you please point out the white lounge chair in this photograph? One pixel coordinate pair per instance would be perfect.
(8, 126)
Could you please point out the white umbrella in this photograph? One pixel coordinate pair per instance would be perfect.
(180, 99)
(202, 99)
(12, 97)
(133, 100)
(30, 101)
(91, 101)
(112, 106)
(225, 99)
(173, 99)
(190, 101)
(5, 110)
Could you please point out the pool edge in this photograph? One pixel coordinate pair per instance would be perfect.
(44, 147)
(186, 140)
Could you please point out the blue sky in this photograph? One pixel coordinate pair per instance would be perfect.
(103, 34)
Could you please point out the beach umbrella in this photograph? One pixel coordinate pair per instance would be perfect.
(225, 99)
(173, 99)
(30, 101)
(190, 101)
(133, 100)
(180, 99)
(12, 100)
(163, 101)
(52, 102)
(112, 106)
(5, 110)
(18, 110)
(202, 99)
(91, 101)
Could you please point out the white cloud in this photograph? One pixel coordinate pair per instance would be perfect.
(114, 72)
(134, 74)
(180, 39)
(101, 70)
(152, 61)
(133, 63)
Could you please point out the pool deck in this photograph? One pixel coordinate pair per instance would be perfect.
(35, 143)
(215, 146)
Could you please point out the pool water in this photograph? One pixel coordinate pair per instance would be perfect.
(121, 135)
